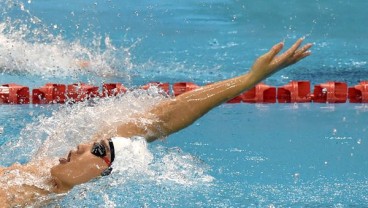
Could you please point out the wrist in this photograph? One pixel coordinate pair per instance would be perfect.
(255, 77)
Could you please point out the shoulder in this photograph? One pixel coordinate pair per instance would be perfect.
(3, 196)
(3, 199)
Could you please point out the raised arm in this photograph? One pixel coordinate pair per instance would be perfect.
(173, 115)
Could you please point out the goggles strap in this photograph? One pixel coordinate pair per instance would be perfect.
(107, 161)
(112, 150)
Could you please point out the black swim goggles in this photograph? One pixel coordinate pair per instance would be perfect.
(99, 150)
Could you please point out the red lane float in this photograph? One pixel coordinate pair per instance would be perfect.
(330, 92)
(163, 86)
(237, 99)
(359, 93)
(81, 91)
(294, 92)
(48, 94)
(181, 87)
(113, 89)
(14, 94)
(261, 93)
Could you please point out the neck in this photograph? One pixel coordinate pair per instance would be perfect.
(59, 187)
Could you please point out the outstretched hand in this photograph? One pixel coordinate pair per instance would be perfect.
(270, 62)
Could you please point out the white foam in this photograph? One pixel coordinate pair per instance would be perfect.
(139, 163)
(58, 58)
(29, 46)
(71, 125)
(54, 136)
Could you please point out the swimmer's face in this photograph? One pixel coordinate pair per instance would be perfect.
(79, 167)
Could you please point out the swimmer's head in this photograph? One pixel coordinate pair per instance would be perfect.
(89, 161)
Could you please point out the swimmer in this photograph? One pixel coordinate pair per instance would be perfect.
(92, 160)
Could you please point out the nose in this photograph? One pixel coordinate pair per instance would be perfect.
(82, 148)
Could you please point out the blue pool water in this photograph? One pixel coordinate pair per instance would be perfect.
(243, 155)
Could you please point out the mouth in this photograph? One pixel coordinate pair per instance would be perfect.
(65, 160)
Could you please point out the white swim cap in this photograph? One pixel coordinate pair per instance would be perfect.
(117, 144)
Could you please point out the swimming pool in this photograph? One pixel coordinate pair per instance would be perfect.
(242, 155)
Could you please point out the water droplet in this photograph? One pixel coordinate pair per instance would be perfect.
(296, 177)
(359, 141)
(234, 18)
(334, 131)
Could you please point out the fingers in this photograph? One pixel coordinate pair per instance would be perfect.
(274, 50)
(273, 63)
(303, 49)
(291, 51)
(303, 55)
(302, 52)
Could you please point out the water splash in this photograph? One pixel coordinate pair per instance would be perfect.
(59, 58)
(70, 125)
(140, 165)
(28, 46)
(144, 176)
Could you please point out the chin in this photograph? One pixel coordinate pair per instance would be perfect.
(54, 170)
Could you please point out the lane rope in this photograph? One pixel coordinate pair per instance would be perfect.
(293, 92)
